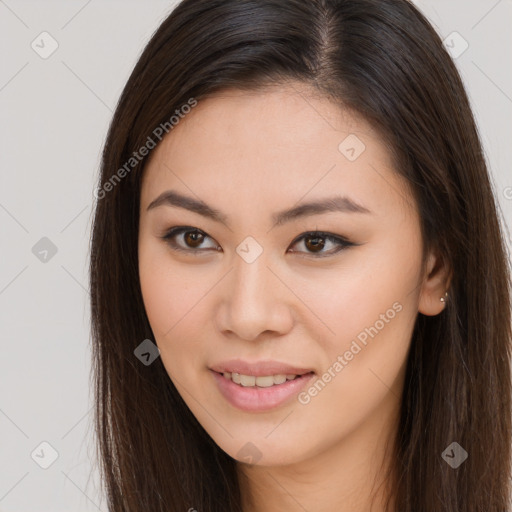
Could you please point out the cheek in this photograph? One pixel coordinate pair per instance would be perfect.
(375, 297)
(363, 369)
(161, 294)
(360, 378)
(370, 314)
(168, 292)
(173, 296)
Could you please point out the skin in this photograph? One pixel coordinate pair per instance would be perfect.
(249, 155)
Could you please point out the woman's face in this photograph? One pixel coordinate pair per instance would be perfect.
(247, 289)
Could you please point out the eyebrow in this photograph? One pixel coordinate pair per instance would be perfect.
(330, 204)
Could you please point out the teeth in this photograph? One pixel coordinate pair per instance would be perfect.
(247, 380)
(279, 379)
(262, 382)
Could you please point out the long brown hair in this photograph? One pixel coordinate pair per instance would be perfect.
(383, 60)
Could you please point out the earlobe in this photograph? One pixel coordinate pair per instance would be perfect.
(436, 281)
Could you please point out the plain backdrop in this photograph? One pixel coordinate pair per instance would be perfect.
(55, 110)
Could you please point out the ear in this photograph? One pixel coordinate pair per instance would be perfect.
(436, 282)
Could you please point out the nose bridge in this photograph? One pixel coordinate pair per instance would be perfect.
(253, 300)
(250, 283)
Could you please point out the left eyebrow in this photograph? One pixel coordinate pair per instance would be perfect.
(332, 204)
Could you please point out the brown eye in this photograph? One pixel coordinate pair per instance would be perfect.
(192, 240)
(315, 244)
(316, 241)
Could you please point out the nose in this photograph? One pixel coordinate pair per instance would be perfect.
(254, 301)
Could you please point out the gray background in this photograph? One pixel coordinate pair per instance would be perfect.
(54, 116)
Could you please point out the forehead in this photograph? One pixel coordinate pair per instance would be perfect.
(271, 146)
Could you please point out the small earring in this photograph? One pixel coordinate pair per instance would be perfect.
(443, 299)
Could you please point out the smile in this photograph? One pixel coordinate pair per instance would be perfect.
(260, 381)
(259, 393)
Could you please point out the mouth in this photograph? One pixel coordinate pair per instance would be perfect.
(261, 381)
(262, 368)
(260, 393)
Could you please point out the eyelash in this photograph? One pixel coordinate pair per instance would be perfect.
(342, 242)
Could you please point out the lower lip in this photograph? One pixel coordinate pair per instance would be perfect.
(255, 399)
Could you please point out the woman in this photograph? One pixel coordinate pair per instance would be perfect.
(300, 291)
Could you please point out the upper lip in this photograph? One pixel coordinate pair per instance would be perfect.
(258, 368)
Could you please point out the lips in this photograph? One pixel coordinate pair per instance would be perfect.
(257, 399)
(259, 368)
